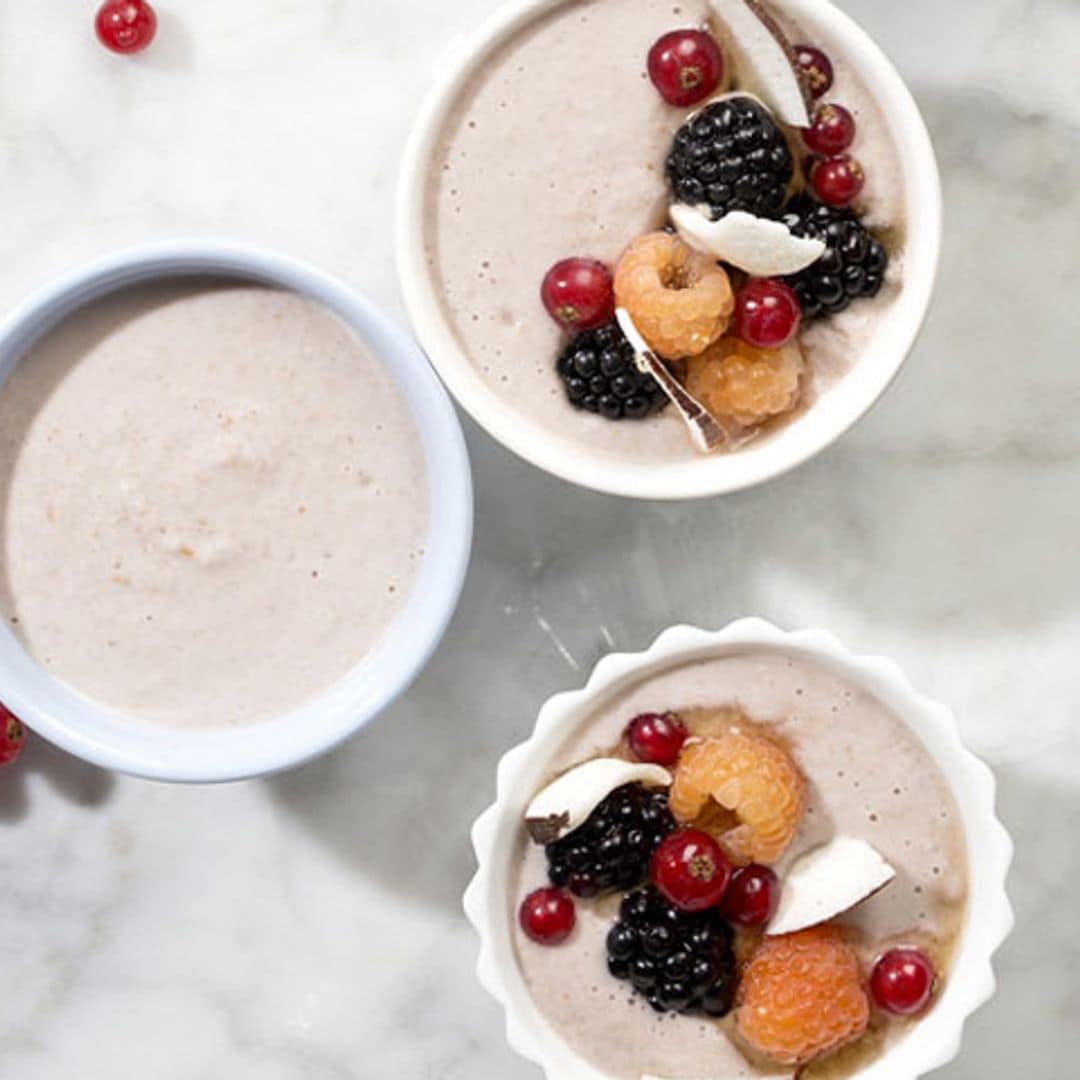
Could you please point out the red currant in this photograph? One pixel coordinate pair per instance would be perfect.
(838, 180)
(547, 916)
(690, 869)
(579, 294)
(12, 736)
(816, 67)
(831, 131)
(686, 66)
(767, 313)
(902, 981)
(125, 26)
(656, 737)
(752, 896)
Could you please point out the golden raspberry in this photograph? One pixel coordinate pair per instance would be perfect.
(801, 996)
(747, 384)
(750, 777)
(679, 300)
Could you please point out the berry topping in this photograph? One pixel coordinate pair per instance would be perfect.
(680, 961)
(125, 26)
(853, 264)
(680, 301)
(752, 896)
(902, 981)
(832, 130)
(690, 870)
(767, 313)
(612, 849)
(816, 68)
(547, 916)
(600, 374)
(731, 156)
(686, 66)
(12, 736)
(746, 384)
(800, 996)
(577, 294)
(753, 778)
(838, 180)
(656, 737)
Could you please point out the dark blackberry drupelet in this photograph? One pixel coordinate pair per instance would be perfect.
(732, 156)
(611, 849)
(679, 961)
(853, 264)
(598, 370)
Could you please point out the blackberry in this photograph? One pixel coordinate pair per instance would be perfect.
(853, 264)
(598, 370)
(731, 156)
(680, 961)
(611, 849)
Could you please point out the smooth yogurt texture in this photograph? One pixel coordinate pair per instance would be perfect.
(556, 148)
(214, 502)
(868, 776)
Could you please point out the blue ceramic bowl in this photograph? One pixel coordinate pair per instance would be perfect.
(115, 741)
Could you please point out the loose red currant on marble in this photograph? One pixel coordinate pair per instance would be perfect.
(12, 736)
(902, 981)
(656, 737)
(691, 870)
(816, 68)
(831, 131)
(686, 66)
(837, 181)
(547, 916)
(125, 26)
(579, 294)
(767, 313)
(752, 896)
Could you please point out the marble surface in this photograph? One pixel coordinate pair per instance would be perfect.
(309, 926)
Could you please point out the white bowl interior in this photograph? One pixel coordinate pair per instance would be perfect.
(936, 1037)
(791, 443)
(113, 740)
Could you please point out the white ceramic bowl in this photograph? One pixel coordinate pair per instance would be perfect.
(936, 1038)
(792, 443)
(115, 741)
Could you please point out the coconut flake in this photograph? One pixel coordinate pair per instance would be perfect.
(708, 432)
(768, 59)
(566, 802)
(828, 881)
(761, 247)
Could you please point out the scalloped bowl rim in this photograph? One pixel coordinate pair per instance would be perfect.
(935, 1040)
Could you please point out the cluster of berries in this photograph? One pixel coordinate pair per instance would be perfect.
(854, 262)
(836, 177)
(672, 941)
(738, 343)
(690, 893)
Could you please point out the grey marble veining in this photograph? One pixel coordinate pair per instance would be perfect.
(309, 927)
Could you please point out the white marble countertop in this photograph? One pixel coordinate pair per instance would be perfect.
(309, 927)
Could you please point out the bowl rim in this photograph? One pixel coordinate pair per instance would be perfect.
(989, 918)
(108, 738)
(696, 477)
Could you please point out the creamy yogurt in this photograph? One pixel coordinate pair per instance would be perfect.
(556, 148)
(213, 499)
(868, 776)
